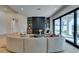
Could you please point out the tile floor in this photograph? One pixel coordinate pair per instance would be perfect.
(68, 49)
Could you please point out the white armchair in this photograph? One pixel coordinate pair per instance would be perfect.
(56, 44)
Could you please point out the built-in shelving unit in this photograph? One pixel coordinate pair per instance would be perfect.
(29, 26)
(35, 24)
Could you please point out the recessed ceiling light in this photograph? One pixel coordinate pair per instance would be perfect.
(55, 8)
(22, 9)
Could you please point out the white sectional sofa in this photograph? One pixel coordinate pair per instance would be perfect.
(14, 44)
(35, 45)
(27, 44)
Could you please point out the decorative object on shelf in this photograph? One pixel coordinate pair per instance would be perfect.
(13, 19)
(40, 31)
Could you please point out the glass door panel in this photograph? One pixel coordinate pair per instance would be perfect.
(77, 35)
(57, 26)
(67, 27)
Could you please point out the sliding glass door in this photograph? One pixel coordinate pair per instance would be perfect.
(77, 35)
(57, 26)
(67, 27)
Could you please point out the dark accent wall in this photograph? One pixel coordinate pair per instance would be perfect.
(37, 24)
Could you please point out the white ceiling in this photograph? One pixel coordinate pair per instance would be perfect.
(31, 10)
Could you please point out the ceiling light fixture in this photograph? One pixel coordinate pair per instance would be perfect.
(22, 9)
(55, 8)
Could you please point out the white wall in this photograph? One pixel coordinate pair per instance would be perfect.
(6, 23)
(19, 25)
(51, 26)
(2, 22)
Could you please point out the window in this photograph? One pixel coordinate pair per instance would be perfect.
(77, 35)
(57, 26)
(67, 27)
